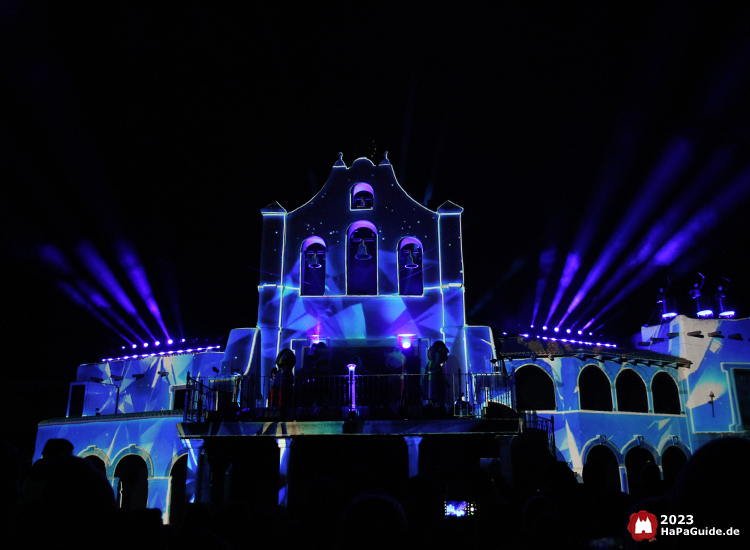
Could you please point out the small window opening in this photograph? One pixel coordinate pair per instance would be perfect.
(362, 197)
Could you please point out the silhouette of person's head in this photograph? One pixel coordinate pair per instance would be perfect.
(55, 448)
(286, 360)
(438, 352)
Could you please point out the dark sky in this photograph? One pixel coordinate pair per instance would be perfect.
(165, 128)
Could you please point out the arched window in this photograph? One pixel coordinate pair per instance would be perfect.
(636, 460)
(601, 470)
(631, 392)
(410, 280)
(594, 390)
(362, 259)
(665, 394)
(534, 389)
(672, 461)
(313, 267)
(362, 197)
(132, 488)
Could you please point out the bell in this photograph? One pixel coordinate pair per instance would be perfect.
(314, 262)
(362, 251)
(410, 262)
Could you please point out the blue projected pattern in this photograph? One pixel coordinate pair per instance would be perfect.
(391, 267)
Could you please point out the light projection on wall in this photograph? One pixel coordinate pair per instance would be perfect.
(362, 260)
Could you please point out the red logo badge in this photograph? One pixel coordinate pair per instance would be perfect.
(643, 526)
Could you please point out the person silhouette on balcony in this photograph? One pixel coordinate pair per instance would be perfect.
(286, 361)
(435, 382)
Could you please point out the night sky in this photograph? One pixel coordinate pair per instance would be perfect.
(611, 138)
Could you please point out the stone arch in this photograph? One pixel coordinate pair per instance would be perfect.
(639, 441)
(601, 440)
(131, 450)
(591, 383)
(601, 467)
(177, 456)
(534, 390)
(631, 392)
(93, 450)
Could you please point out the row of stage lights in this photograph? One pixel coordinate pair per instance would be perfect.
(567, 330)
(157, 343)
(566, 340)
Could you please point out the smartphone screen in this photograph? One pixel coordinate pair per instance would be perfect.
(460, 508)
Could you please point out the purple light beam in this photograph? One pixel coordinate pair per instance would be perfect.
(653, 190)
(137, 274)
(101, 272)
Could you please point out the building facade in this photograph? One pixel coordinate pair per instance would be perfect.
(375, 279)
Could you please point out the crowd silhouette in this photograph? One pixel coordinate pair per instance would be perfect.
(62, 501)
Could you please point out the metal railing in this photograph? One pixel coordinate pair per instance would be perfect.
(378, 396)
(211, 397)
(531, 421)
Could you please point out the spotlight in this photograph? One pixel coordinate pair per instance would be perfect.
(157, 343)
(170, 341)
(580, 332)
(145, 344)
(567, 330)
(591, 333)
(725, 311)
(135, 346)
(532, 326)
(123, 347)
(315, 338)
(182, 341)
(557, 329)
(544, 327)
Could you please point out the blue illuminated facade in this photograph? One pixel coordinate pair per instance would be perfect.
(362, 266)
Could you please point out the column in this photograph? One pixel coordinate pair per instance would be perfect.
(197, 482)
(412, 443)
(285, 444)
(624, 479)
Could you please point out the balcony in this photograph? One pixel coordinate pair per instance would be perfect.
(352, 396)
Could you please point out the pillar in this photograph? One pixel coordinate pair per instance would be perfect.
(285, 445)
(412, 443)
(624, 479)
(197, 481)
